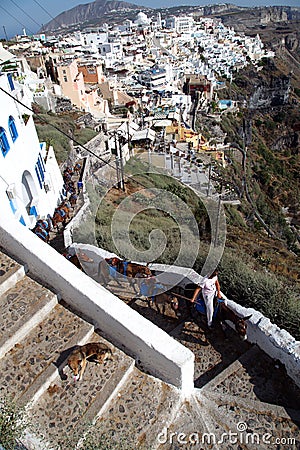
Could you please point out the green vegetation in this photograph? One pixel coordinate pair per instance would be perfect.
(157, 202)
(13, 423)
(50, 125)
(250, 286)
(246, 271)
(273, 165)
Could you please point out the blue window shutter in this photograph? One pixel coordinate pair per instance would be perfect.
(12, 128)
(42, 162)
(33, 211)
(10, 81)
(40, 168)
(4, 144)
(22, 221)
(38, 175)
(13, 206)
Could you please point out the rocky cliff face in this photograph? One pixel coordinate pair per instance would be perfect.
(274, 94)
(242, 18)
(211, 10)
(291, 42)
(83, 13)
(279, 14)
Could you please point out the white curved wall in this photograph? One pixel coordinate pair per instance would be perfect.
(160, 354)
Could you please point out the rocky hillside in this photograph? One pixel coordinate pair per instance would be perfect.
(89, 12)
(242, 18)
(279, 29)
(268, 126)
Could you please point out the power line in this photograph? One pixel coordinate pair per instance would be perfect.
(23, 26)
(68, 136)
(62, 132)
(47, 12)
(54, 126)
(24, 12)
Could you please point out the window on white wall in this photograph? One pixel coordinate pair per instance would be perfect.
(39, 170)
(12, 128)
(4, 144)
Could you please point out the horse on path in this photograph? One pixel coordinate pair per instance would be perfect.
(42, 229)
(222, 312)
(156, 294)
(73, 200)
(118, 269)
(61, 214)
(41, 232)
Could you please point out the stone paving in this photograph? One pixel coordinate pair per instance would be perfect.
(7, 266)
(68, 407)
(33, 358)
(139, 412)
(242, 399)
(10, 272)
(19, 304)
(239, 389)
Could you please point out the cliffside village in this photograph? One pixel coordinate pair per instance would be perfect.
(150, 72)
(140, 85)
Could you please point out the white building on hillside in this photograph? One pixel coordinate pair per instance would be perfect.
(180, 24)
(31, 184)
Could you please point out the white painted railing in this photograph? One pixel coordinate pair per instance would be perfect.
(155, 350)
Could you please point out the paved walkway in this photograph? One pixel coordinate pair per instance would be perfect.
(242, 399)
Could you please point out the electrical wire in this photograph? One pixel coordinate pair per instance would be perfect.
(24, 12)
(47, 12)
(67, 135)
(70, 137)
(54, 126)
(11, 15)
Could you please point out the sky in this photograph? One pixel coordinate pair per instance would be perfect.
(15, 15)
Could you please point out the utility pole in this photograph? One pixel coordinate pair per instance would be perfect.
(128, 138)
(172, 161)
(117, 161)
(122, 184)
(149, 156)
(5, 34)
(217, 222)
(209, 176)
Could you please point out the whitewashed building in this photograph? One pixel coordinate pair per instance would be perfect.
(181, 24)
(31, 184)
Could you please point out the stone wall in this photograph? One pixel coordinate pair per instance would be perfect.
(276, 342)
(154, 349)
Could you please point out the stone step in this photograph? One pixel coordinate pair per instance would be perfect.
(28, 369)
(139, 412)
(22, 307)
(194, 427)
(10, 272)
(68, 408)
(213, 351)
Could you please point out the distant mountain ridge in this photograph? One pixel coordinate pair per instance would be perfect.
(101, 11)
(90, 11)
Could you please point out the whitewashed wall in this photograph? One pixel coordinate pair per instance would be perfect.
(159, 353)
(21, 159)
(276, 342)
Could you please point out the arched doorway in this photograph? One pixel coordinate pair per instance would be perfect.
(29, 194)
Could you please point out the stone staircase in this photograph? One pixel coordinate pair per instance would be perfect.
(116, 399)
(117, 406)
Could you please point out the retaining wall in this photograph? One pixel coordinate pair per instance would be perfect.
(154, 349)
(276, 342)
